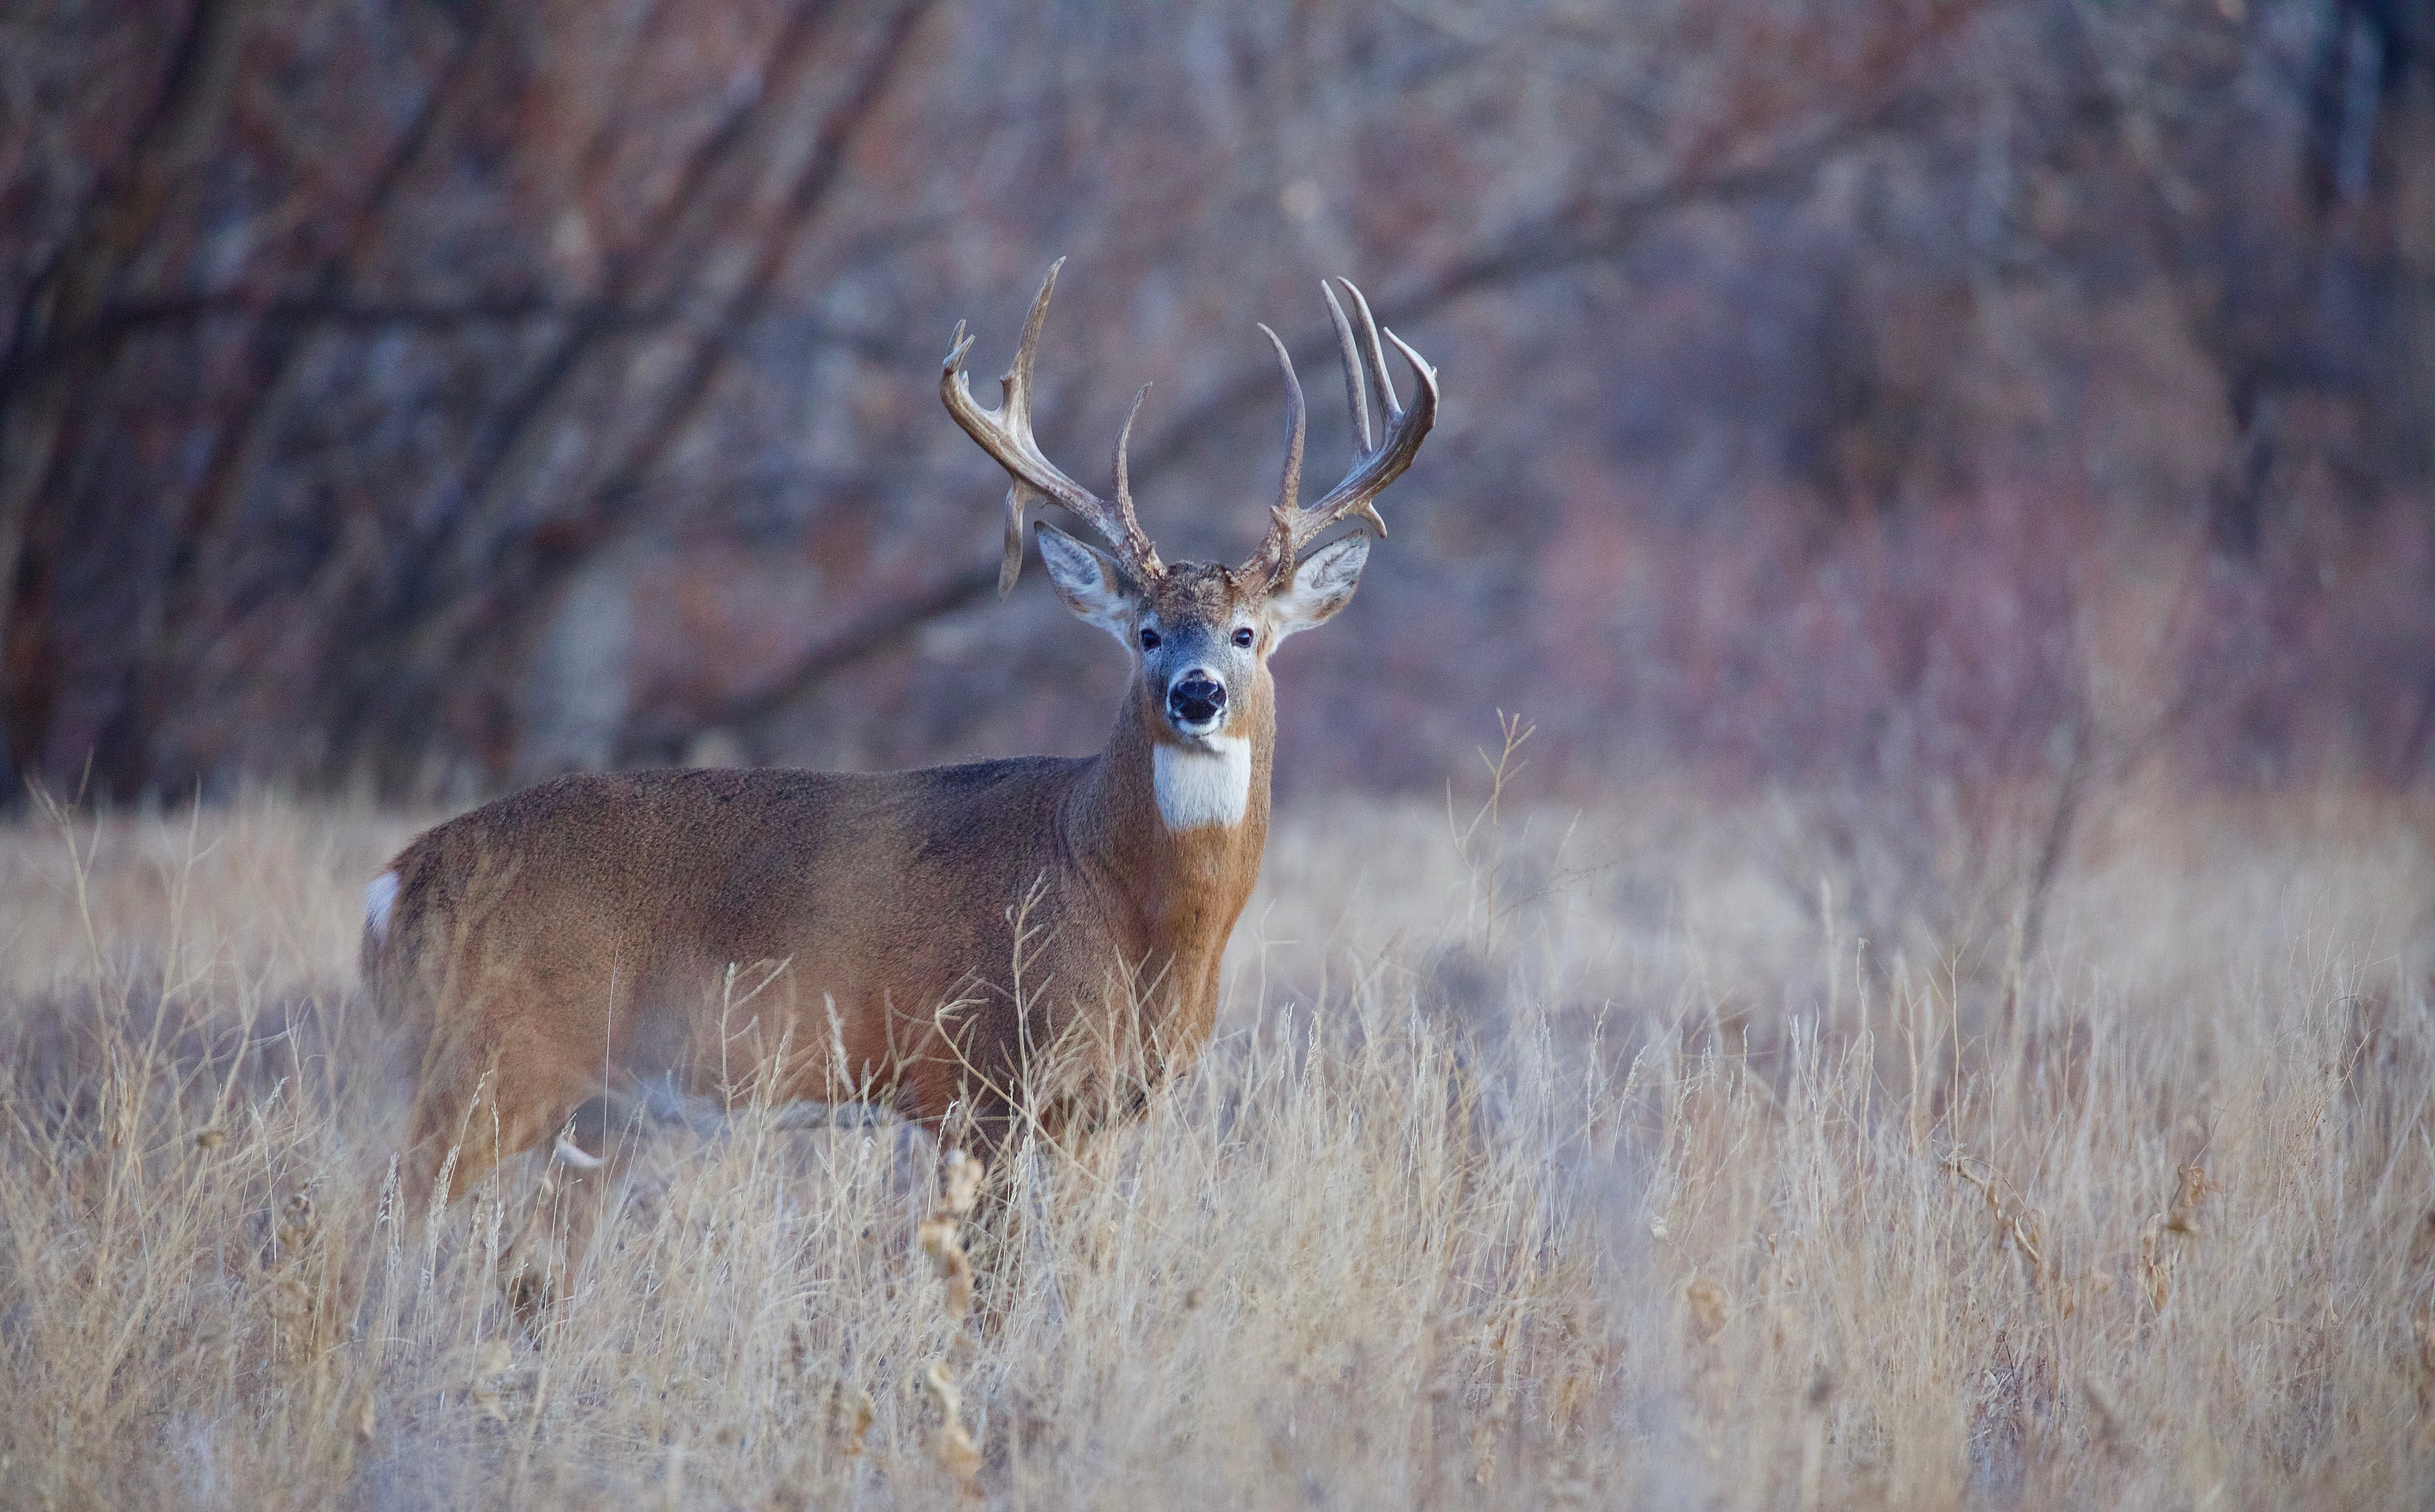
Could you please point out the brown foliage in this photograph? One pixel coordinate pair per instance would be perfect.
(437, 395)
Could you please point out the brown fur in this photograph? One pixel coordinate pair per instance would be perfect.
(584, 935)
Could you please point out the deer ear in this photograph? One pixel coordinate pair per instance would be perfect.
(1087, 581)
(1320, 585)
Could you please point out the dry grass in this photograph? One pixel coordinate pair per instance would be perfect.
(1613, 1171)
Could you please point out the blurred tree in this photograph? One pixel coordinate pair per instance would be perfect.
(435, 394)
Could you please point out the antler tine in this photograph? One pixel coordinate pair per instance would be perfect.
(1354, 398)
(1289, 493)
(1005, 434)
(1291, 529)
(1376, 366)
(1016, 388)
(1132, 543)
(1124, 485)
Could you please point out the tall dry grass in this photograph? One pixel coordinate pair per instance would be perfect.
(1593, 1162)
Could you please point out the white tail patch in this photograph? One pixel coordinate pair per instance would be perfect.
(1201, 786)
(378, 900)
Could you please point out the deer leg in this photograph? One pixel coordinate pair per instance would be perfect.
(473, 1112)
(587, 1153)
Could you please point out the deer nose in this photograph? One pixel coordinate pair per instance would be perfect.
(1196, 698)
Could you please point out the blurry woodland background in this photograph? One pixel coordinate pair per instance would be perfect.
(1936, 1014)
(1932, 398)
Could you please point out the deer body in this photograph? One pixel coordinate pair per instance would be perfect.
(1032, 939)
(586, 927)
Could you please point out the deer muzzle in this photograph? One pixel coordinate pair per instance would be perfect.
(1196, 701)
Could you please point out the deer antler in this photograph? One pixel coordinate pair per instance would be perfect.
(1005, 433)
(1293, 528)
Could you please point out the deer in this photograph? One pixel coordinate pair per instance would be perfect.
(983, 949)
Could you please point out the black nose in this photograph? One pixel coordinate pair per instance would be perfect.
(1197, 699)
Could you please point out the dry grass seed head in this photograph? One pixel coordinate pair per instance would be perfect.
(850, 1415)
(941, 1234)
(1708, 1302)
(2182, 1218)
(298, 1221)
(965, 1173)
(493, 1361)
(2156, 1266)
(957, 1451)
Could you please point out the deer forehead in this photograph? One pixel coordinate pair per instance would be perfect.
(1195, 592)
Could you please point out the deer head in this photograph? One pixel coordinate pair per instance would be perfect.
(1202, 633)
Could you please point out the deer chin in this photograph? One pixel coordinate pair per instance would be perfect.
(1202, 785)
(1206, 736)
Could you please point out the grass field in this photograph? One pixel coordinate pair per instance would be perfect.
(1618, 1161)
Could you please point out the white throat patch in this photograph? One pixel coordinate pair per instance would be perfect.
(1202, 786)
(378, 900)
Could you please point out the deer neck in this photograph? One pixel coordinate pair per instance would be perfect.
(1176, 830)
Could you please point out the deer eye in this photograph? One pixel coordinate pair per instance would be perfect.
(1149, 639)
(1244, 637)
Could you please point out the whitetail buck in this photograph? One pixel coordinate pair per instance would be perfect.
(1034, 939)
